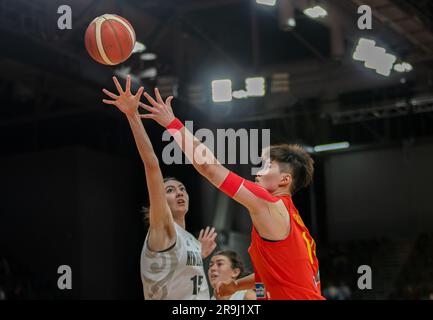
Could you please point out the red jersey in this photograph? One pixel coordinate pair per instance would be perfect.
(286, 269)
(289, 268)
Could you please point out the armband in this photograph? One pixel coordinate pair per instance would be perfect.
(231, 184)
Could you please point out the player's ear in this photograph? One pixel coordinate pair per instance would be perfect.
(286, 179)
(236, 273)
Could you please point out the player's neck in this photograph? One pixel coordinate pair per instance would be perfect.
(180, 221)
(281, 192)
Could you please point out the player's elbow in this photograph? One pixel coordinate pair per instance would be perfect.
(202, 167)
(207, 170)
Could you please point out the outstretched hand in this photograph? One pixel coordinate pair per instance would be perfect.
(207, 238)
(225, 288)
(159, 110)
(125, 101)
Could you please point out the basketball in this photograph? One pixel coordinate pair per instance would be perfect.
(109, 39)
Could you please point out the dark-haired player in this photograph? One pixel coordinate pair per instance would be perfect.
(171, 260)
(282, 250)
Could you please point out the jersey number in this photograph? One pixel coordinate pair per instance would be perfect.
(311, 246)
(196, 283)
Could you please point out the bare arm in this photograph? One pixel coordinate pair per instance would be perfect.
(229, 287)
(203, 160)
(265, 216)
(162, 233)
(246, 283)
(250, 295)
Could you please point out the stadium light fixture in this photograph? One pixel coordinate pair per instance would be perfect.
(267, 2)
(255, 87)
(316, 12)
(403, 67)
(331, 146)
(374, 57)
(138, 47)
(148, 56)
(222, 90)
(240, 94)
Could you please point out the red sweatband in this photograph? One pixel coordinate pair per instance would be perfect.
(260, 192)
(231, 184)
(174, 126)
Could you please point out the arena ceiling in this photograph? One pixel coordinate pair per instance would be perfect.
(47, 72)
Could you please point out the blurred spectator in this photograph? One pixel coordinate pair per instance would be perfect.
(339, 262)
(332, 292)
(341, 292)
(2, 293)
(16, 282)
(416, 277)
(345, 291)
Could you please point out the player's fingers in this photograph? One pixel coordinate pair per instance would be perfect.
(146, 107)
(222, 289)
(168, 101)
(110, 94)
(217, 288)
(108, 101)
(158, 96)
(201, 234)
(150, 99)
(128, 84)
(139, 93)
(206, 232)
(210, 235)
(118, 86)
(214, 236)
(212, 231)
(147, 116)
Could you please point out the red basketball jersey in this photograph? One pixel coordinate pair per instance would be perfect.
(286, 269)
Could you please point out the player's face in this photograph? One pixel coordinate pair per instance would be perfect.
(177, 197)
(269, 177)
(220, 269)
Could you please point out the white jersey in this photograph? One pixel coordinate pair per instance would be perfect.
(238, 295)
(175, 274)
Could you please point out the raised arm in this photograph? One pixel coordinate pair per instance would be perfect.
(162, 233)
(200, 156)
(265, 210)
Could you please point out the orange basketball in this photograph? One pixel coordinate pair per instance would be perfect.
(109, 39)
